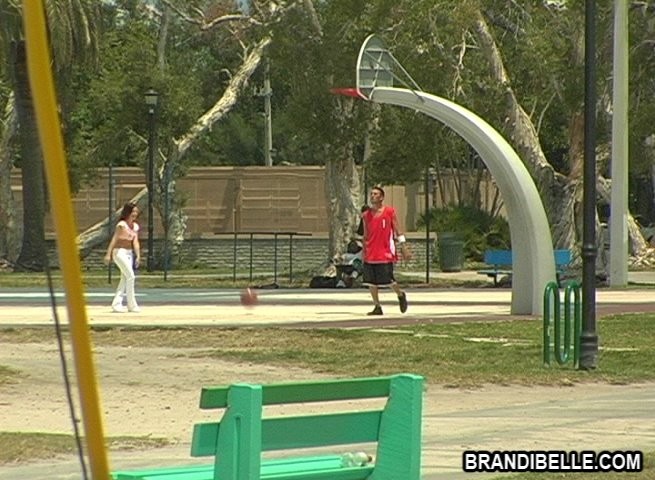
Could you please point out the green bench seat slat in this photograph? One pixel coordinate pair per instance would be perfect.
(318, 467)
(316, 462)
(190, 472)
(300, 392)
(356, 473)
(322, 467)
(304, 431)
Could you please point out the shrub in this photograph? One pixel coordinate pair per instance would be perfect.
(478, 229)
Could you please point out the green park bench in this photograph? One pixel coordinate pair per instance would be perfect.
(238, 440)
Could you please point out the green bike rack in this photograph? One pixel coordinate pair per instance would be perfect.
(572, 326)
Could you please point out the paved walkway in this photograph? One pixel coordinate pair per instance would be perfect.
(298, 307)
(589, 417)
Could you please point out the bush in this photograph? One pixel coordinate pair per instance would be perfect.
(479, 230)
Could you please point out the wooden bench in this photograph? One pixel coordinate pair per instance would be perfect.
(237, 441)
(500, 262)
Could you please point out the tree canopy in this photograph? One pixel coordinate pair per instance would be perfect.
(195, 53)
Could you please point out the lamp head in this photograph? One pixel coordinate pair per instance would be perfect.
(151, 97)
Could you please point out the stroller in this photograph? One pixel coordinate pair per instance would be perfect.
(349, 273)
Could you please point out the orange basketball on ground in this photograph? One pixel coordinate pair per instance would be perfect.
(248, 298)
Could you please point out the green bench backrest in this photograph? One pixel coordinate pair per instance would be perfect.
(303, 392)
(242, 434)
(308, 431)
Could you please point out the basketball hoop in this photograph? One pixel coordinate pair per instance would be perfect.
(377, 67)
(348, 92)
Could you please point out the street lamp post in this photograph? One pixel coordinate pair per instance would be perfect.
(589, 337)
(151, 97)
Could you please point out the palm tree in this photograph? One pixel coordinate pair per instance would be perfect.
(72, 34)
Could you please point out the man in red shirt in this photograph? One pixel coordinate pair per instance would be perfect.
(380, 235)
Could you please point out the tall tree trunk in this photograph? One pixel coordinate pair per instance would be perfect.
(9, 232)
(33, 250)
(562, 195)
(343, 186)
(558, 193)
(171, 210)
(343, 190)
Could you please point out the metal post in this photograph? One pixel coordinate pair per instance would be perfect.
(234, 258)
(251, 235)
(427, 225)
(589, 339)
(275, 259)
(166, 222)
(290, 258)
(110, 216)
(268, 122)
(619, 201)
(151, 97)
(151, 167)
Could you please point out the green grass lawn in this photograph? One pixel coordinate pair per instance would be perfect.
(17, 447)
(455, 354)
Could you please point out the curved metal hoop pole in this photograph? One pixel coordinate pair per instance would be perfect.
(532, 245)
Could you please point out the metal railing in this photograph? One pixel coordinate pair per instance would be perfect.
(251, 235)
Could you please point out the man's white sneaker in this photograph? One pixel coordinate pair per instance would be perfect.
(118, 309)
(134, 310)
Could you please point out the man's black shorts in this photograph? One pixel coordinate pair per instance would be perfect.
(380, 274)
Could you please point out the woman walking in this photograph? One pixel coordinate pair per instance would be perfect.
(125, 250)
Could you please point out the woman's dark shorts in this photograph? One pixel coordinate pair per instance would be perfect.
(380, 274)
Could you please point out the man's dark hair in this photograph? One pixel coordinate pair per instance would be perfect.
(379, 189)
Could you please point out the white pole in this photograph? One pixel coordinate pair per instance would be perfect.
(619, 198)
(268, 127)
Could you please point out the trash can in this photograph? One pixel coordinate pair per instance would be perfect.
(451, 252)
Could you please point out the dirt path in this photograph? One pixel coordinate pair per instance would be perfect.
(143, 391)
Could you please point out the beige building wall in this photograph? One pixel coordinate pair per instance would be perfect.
(221, 200)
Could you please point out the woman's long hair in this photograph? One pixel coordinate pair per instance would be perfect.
(127, 210)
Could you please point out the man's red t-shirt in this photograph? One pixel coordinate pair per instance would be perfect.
(380, 246)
